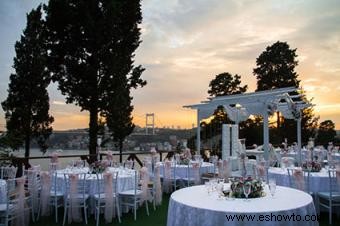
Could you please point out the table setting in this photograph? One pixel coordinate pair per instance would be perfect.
(220, 203)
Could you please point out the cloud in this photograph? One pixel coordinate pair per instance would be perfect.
(57, 102)
(186, 43)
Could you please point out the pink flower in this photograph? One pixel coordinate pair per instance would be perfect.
(54, 157)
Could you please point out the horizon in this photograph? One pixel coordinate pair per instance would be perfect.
(185, 44)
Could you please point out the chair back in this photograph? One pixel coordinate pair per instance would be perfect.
(169, 172)
(334, 181)
(107, 189)
(299, 179)
(45, 195)
(8, 172)
(157, 185)
(287, 162)
(75, 195)
(33, 185)
(17, 207)
(129, 164)
(53, 166)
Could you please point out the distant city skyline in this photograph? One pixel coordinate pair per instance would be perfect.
(186, 43)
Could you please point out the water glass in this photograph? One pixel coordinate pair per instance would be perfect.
(272, 187)
(246, 190)
(207, 185)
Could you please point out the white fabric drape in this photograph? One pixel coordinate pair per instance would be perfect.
(158, 186)
(109, 202)
(74, 214)
(45, 193)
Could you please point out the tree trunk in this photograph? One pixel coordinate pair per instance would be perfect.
(27, 146)
(120, 151)
(27, 150)
(93, 130)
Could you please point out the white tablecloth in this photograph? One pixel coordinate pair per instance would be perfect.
(193, 206)
(125, 179)
(3, 191)
(318, 181)
(181, 170)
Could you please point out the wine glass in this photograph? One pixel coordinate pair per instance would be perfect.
(246, 189)
(219, 189)
(272, 187)
(208, 186)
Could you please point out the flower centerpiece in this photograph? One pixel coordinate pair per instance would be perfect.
(237, 188)
(99, 166)
(311, 166)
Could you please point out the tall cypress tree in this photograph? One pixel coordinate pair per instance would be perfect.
(92, 50)
(27, 105)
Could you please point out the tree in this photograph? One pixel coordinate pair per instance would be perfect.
(27, 105)
(92, 51)
(226, 84)
(223, 84)
(119, 120)
(326, 132)
(275, 68)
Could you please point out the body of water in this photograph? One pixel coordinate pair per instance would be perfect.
(44, 163)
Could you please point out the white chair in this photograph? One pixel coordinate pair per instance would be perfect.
(75, 197)
(56, 193)
(193, 174)
(8, 172)
(33, 184)
(53, 166)
(299, 179)
(331, 199)
(102, 197)
(169, 176)
(287, 162)
(129, 164)
(16, 206)
(132, 198)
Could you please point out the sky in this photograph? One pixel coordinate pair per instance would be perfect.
(185, 43)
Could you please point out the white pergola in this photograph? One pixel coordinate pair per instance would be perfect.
(240, 106)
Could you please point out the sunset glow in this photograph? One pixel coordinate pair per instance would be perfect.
(186, 43)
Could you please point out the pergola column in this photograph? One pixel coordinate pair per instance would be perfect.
(265, 133)
(298, 122)
(198, 134)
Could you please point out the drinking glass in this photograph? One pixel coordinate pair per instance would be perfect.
(219, 189)
(207, 185)
(246, 190)
(272, 187)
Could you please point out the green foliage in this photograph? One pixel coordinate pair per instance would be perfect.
(326, 132)
(226, 84)
(275, 67)
(223, 84)
(252, 130)
(27, 105)
(92, 56)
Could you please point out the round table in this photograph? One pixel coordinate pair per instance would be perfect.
(318, 181)
(3, 191)
(125, 179)
(193, 206)
(181, 170)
